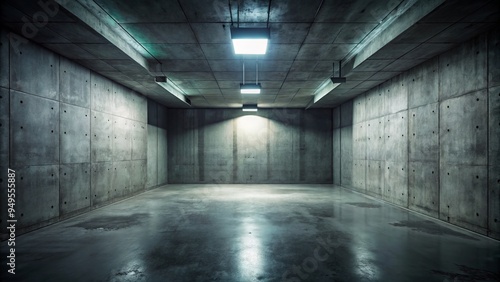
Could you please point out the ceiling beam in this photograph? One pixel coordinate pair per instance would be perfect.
(405, 15)
(91, 14)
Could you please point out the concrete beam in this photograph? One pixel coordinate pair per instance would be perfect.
(405, 15)
(101, 22)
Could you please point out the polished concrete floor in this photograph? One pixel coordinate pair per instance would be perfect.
(252, 233)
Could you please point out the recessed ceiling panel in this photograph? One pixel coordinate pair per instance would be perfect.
(161, 32)
(293, 11)
(145, 11)
(206, 11)
(175, 51)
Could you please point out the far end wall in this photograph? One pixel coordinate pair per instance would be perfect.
(429, 139)
(231, 146)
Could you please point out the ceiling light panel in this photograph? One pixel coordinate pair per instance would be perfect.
(250, 41)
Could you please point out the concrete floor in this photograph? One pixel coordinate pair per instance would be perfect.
(252, 233)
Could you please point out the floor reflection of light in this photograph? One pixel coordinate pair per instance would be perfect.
(365, 260)
(250, 252)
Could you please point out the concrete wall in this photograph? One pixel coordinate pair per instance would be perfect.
(157, 145)
(429, 139)
(75, 139)
(231, 146)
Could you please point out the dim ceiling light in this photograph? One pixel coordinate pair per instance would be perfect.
(250, 108)
(251, 41)
(250, 88)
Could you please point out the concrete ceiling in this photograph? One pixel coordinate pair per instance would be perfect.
(188, 41)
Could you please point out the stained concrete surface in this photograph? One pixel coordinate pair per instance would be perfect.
(253, 233)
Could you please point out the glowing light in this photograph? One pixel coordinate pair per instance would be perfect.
(250, 41)
(250, 46)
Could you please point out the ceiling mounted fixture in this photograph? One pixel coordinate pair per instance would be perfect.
(339, 79)
(250, 41)
(251, 88)
(171, 87)
(250, 108)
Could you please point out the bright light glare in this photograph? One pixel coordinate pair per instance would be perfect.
(250, 90)
(250, 46)
(249, 109)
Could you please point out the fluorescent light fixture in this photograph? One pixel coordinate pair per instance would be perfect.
(250, 108)
(338, 79)
(173, 89)
(250, 41)
(250, 88)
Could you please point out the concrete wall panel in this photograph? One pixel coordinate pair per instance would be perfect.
(34, 130)
(396, 139)
(162, 117)
(396, 95)
(336, 117)
(122, 139)
(493, 58)
(4, 149)
(4, 59)
(494, 201)
(423, 187)
(152, 108)
(375, 102)
(346, 113)
(101, 137)
(252, 158)
(4, 126)
(101, 182)
(74, 83)
(494, 125)
(316, 161)
(217, 159)
(463, 129)
(123, 99)
(463, 196)
(359, 109)
(37, 194)
(101, 93)
(138, 174)
(140, 108)
(121, 179)
(463, 69)
(336, 156)
(359, 141)
(375, 175)
(152, 158)
(346, 141)
(423, 84)
(375, 140)
(359, 175)
(494, 162)
(282, 164)
(163, 169)
(34, 70)
(182, 140)
(74, 134)
(139, 139)
(396, 183)
(423, 133)
(74, 187)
